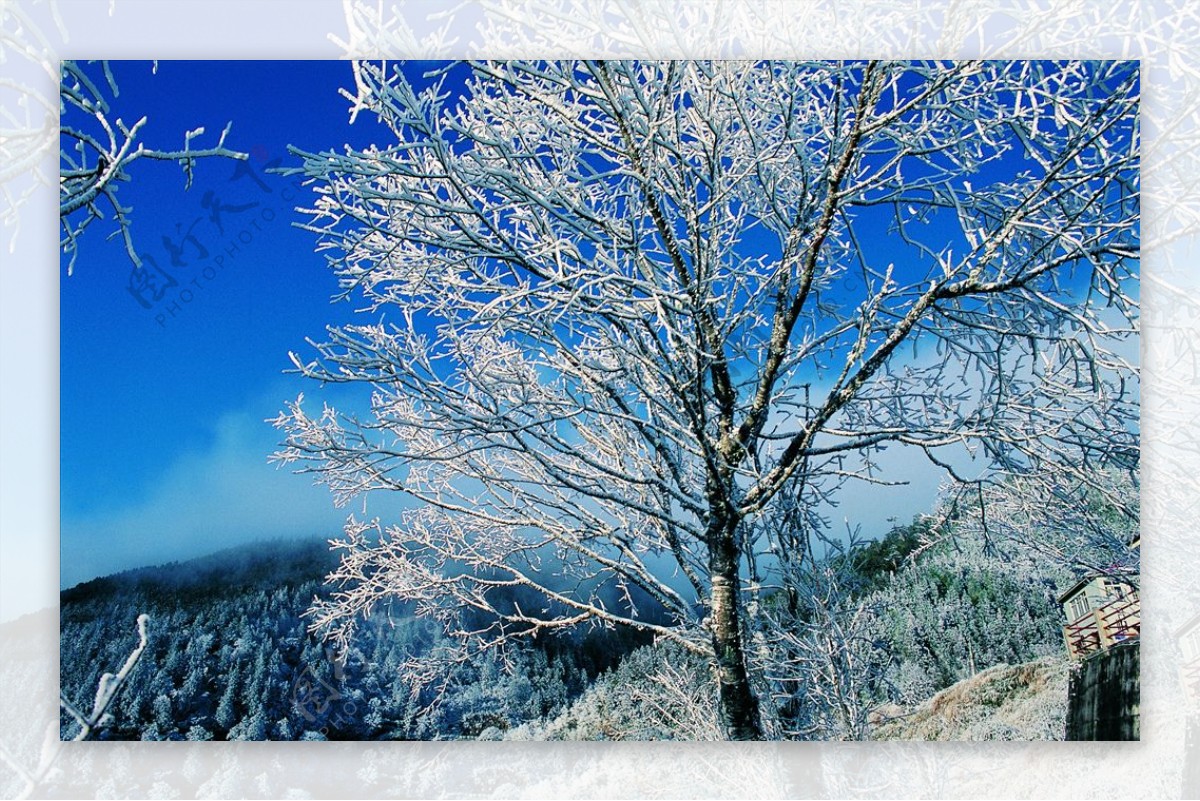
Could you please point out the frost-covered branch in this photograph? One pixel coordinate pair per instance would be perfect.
(96, 151)
(1089, 528)
(109, 687)
(816, 650)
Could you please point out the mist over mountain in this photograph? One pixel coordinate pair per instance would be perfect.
(229, 656)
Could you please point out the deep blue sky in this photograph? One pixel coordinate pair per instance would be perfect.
(163, 444)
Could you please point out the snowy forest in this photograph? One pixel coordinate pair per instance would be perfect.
(630, 342)
(899, 619)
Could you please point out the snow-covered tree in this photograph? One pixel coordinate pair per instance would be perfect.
(822, 657)
(960, 609)
(630, 326)
(1084, 527)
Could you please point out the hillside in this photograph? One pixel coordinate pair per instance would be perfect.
(230, 656)
(1004, 702)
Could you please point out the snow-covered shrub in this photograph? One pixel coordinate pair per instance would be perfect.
(658, 692)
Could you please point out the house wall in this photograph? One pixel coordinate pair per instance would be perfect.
(1104, 698)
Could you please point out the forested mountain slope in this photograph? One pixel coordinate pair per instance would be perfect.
(230, 657)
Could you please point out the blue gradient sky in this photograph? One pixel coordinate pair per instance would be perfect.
(163, 399)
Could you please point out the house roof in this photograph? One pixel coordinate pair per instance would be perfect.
(1126, 577)
(1077, 586)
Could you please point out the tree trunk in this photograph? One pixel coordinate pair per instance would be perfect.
(738, 704)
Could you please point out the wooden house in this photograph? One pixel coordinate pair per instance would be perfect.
(1101, 611)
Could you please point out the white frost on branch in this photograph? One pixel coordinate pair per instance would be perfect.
(109, 686)
(95, 152)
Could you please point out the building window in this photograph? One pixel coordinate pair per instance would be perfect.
(1079, 606)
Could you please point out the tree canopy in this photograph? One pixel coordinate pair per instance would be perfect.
(630, 326)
